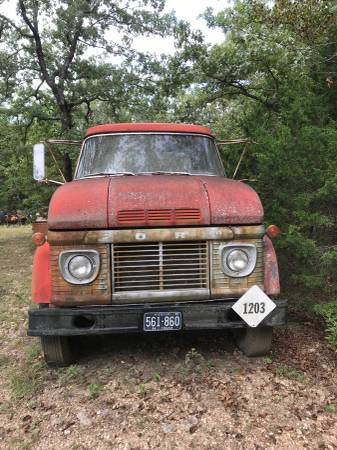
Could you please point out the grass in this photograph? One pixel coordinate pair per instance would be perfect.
(330, 408)
(156, 377)
(28, 381)
(193, 358)
(94, 390)
(290, 373)
(25, 374)
(268, 360)
(15, 269)
(142, 389)
(29, 376)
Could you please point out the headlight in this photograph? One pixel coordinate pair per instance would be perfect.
(79, 267)
(238, 260)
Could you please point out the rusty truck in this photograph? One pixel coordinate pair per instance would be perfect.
(150, 235)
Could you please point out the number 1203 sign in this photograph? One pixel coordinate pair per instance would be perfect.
(254, 306)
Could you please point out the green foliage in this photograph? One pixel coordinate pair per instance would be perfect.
(272, 80)
(59, 58)
(290, 373)
(156, 377)
(142, 389)
(330, 408)
(94, 390)
(329, 312)
(31, 377)
(193, 358)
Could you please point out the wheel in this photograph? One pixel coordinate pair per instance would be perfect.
(254, 341)
(56, 350)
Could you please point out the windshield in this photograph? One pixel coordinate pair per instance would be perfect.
(130, 154)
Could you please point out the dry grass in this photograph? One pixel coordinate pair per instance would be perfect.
(165, 391)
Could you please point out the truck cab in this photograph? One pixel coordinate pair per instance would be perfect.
(151, 236)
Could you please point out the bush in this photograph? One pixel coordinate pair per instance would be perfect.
(329, 312)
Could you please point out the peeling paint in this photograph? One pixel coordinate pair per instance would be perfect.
(94, 203)
(271, 272)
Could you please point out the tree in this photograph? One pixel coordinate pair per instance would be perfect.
(273, 79)
(58, 56)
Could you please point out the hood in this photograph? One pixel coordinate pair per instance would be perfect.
(153, 200)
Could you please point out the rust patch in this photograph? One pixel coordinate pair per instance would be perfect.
(225, 286)
(248, 231)
(40, 227)
(271, 273)
(66, 294)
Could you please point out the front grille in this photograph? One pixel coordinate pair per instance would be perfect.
(181, 216)
(160, 266)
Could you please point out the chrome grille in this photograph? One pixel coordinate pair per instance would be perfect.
(160, 266)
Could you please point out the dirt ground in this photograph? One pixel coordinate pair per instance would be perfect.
(166, 391)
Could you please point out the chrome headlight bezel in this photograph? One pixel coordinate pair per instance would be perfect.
(248, 249)
(66, 256)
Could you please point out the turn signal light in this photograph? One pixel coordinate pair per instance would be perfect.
(273, 231)
(38, 238)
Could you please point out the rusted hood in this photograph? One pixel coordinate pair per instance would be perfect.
(153, 200)
(81, 204)
(232, 202)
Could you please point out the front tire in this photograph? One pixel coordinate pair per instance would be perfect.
(254, 341)
(56, 351)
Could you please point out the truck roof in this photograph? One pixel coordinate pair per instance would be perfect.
(148, 127)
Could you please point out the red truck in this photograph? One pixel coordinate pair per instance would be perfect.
(150, 236)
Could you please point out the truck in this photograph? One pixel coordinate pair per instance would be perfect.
(150, 235)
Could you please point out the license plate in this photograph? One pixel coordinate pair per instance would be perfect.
(162, 321)
(254, 306)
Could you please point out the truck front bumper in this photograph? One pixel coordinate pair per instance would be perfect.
(217, 314)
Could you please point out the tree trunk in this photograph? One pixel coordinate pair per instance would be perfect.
(66, 117)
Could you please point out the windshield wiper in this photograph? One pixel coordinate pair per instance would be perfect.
(160, 172)
(108, 174)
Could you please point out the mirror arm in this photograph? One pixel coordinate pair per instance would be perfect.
(45, 181)
(240, 161)
(55, 161)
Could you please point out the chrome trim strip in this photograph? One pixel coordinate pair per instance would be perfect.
(140, 235)
(206, 233)
(152, 296)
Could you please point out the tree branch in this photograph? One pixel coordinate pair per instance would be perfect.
(16, 28)
(242, 90)
(72, 48)
(38, 45)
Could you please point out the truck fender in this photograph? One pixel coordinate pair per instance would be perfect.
(271, 272)
(41, 279)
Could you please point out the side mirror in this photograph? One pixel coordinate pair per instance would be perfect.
(38, 164)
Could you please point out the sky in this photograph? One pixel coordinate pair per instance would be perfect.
(190, 11)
